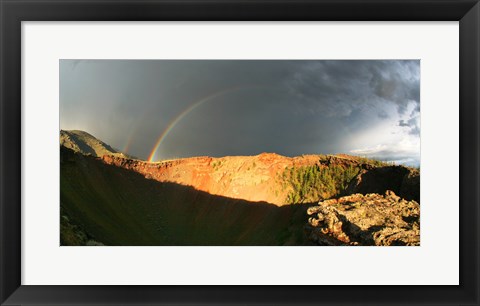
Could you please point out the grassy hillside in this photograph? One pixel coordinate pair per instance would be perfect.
(116, 206)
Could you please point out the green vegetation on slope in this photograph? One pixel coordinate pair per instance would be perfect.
(329, 179)
(314, 183)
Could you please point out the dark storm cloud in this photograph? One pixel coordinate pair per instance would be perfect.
(337, 88)
(288, 107)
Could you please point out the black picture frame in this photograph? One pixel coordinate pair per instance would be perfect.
(13, 12)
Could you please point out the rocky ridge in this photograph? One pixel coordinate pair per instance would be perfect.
(370, 219)
(251, 178)
(84, 143)
(257, 178)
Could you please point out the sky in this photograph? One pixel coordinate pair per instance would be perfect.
(163, 109)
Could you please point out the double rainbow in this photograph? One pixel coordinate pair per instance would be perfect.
(192, 107)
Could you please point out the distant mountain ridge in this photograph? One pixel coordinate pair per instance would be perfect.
(87, 144)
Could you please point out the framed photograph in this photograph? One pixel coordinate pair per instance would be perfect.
(239, 152)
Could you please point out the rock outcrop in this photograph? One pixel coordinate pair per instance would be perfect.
(72, 234)
(370, 219)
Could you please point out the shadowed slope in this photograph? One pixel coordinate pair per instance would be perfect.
(116, 206)
(404, 181)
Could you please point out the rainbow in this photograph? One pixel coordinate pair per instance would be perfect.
(133, 131)
(126, 148)
(196, 104)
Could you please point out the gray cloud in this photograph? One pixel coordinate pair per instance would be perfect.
(337, 88)
(383, 114)
(288, 107)
(412, 124)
